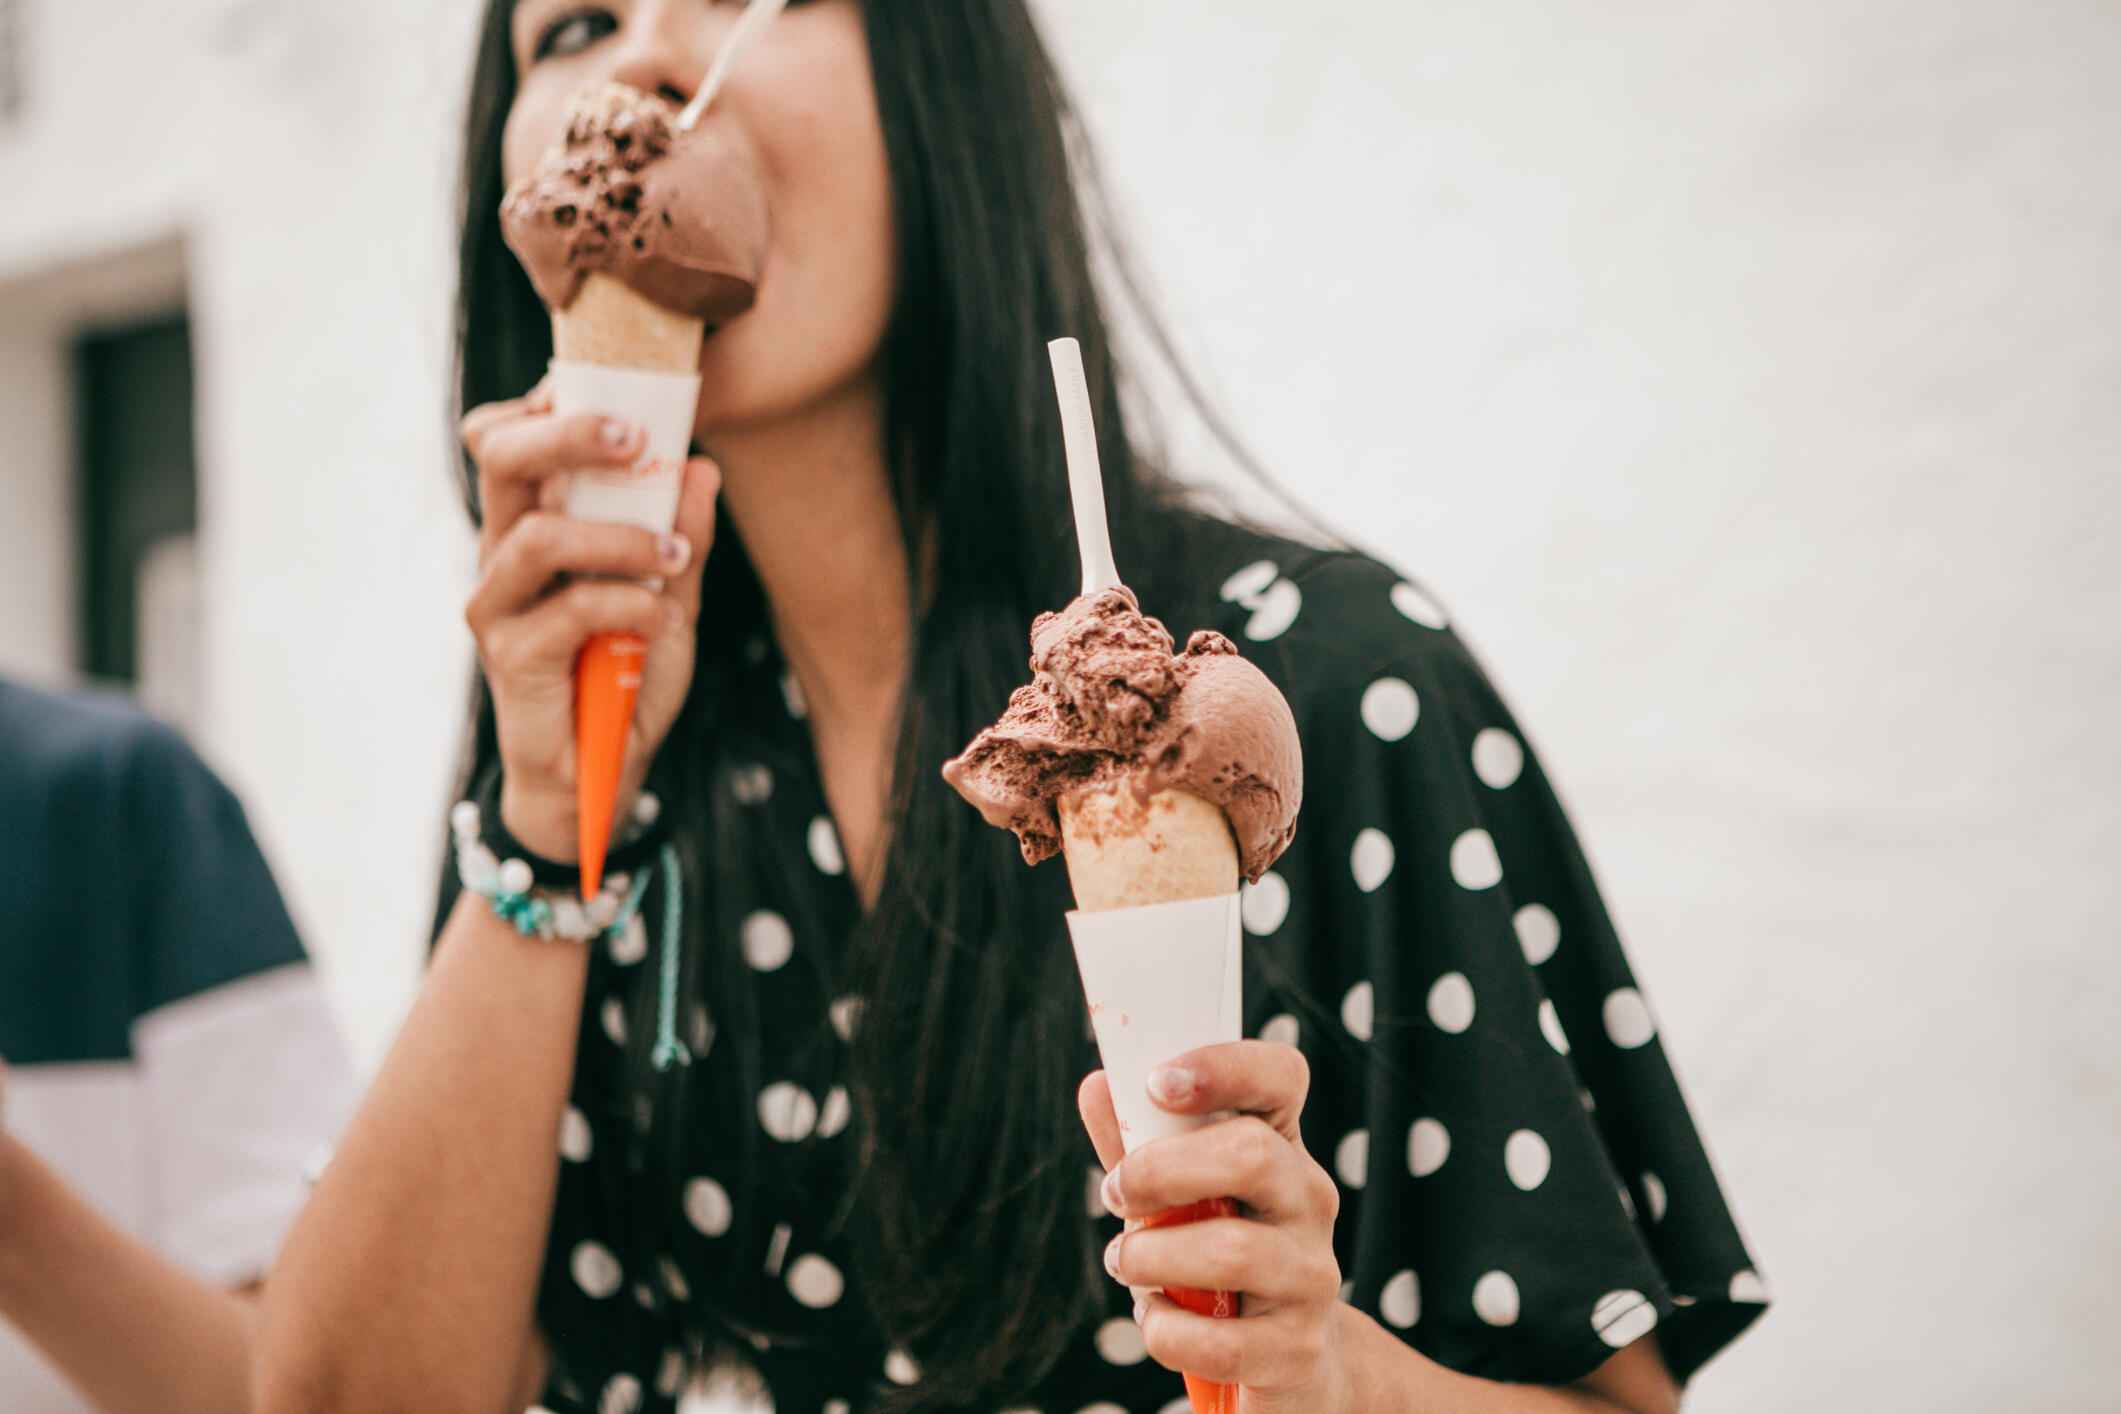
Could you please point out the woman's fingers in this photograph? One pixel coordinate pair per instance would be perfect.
(517, 453)
(542, 547)
(1226, 1254)
(1261, 1078)
(1093, 1100)
(536, 650)
(695, 523)
(1242, 1158)
(1259, 1352)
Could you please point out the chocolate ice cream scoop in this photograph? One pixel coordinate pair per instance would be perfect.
(679, 217)
(1111, 706)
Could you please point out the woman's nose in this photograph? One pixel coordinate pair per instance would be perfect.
(667, 45)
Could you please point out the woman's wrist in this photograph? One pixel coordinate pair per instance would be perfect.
(545, 821)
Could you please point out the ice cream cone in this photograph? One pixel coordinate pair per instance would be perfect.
(1126, 852)
(609, 325)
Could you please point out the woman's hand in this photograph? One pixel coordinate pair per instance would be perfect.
(548, 582)
(1278, 1251)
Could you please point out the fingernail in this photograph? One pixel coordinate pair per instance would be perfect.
(1141, 1309)
(1172, 1084)
(673, 552)
(1112, 1256)
(1110, 1193)
(615, 434)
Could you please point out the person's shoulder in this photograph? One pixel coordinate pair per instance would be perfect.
(86, 737)
(1322, 614)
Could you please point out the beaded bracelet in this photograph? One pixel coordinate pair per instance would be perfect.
(535, 909)
(633, 844)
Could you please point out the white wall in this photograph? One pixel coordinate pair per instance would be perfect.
(1744, 376)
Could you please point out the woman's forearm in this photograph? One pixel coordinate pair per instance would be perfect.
(409, 1279)
(1380, 1374)
(134, 1333)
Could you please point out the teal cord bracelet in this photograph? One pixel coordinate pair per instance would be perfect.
(669, 1050)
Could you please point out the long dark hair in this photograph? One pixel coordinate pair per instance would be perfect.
(972, 1035)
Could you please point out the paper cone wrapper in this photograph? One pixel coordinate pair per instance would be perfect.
(623, 357)
(1163, 979)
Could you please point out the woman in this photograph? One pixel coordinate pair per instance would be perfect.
(867, 1180)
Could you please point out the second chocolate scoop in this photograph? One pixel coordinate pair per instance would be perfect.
(679, 217)
(1111, 707)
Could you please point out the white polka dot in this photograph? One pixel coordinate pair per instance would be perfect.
(768, 940)
(751, 785)
(1495, 1299)
(1653, 1195)
(1390, 709)
(1550, 1026)
(1282, 1030)
(1474, 863)
(792, 694)
(707, 1206)
(1351, 1158)
(1181, 1405)
(1749, 1288)
(644, 1296)
(1103, 1406)
(837, 1406)
(1428, 1145)
(777, 1248)
(1498, 758)
(825, 846)
(670, 1375)
(674, 1280)
(1418, 606)
(702, 1031)
(614, 1017)
(845, 1013)
(1623, 1317)
(1358, 1010)
(1538, 932)
(621, 1396)
(1400, 1303)
(1249, 581)
(1527, 1158)
(900, 1368)
(1094, 1194)
(630, 944)
(833, 1118)
(1627, 1201)
(1119, 1340)
(1451, 1003)
(1265, 904)
(1627, 1019)
(814, 1281)
(788, 1111)
(1371, 860)
(595, 1269)
(1273, 611)
(577, 1140)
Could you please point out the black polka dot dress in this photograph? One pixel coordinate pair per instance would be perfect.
(1523, 1190)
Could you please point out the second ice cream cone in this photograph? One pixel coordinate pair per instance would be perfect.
(1124, 851)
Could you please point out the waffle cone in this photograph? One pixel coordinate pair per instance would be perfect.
(1123, 851)
(608, 323)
